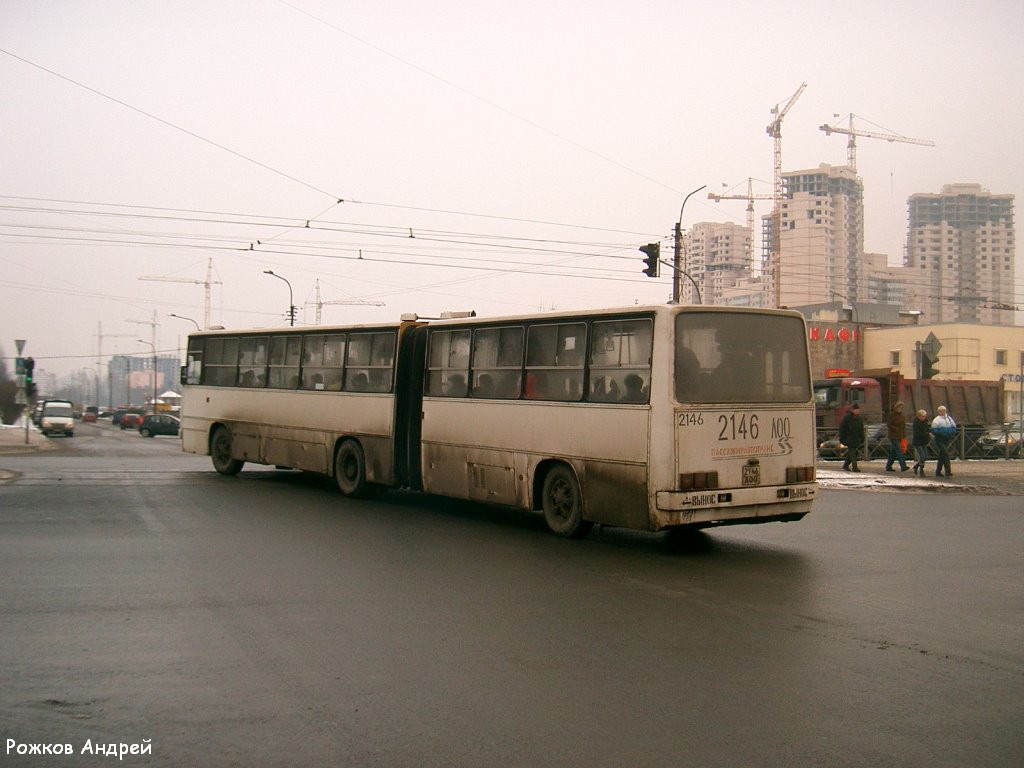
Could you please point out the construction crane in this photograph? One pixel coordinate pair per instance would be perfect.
(774, 130)
(853, 133)
(358, 302)
(750, 197)
(205, 283)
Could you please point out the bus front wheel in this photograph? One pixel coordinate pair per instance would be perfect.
(562, 503)
(350, 469)
(220, 452)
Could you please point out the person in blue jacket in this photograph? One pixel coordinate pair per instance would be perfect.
(944, 430)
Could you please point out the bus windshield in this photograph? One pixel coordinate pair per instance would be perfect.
(742, 357)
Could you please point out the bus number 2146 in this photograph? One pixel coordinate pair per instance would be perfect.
(743, 427)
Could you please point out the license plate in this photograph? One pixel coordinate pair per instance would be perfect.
(751, 475)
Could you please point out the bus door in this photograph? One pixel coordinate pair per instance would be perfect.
(410, 362)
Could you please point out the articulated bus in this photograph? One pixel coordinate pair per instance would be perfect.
(645, 417)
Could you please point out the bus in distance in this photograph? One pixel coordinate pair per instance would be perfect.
(647, 418)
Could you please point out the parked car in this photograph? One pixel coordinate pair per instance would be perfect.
(877, 444)
(159, 424)
(997, 443)
(130, 420)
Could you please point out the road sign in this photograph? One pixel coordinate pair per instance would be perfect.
(20, 344)
(930, 348)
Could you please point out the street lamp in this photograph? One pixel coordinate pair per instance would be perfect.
(291, 299)
(153, 347)
(677, 267)
(181, 317)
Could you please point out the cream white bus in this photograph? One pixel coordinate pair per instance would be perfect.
(645, 417)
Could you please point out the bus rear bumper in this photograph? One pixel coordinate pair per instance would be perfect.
(734, 505)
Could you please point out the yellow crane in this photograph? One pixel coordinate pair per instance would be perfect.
(774, 130)
(853, 133)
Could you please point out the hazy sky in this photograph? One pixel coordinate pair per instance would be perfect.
(528, 147)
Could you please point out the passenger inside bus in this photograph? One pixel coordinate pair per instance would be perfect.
(456, 385)
(634, 389)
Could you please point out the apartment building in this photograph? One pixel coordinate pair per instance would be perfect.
(821, 236)
(718, 256)
(961, 252)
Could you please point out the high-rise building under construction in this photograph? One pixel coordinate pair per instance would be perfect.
(821, 238)
(961, 254)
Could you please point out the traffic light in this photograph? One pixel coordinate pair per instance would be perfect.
(928, 369)
(652, 259)
(30, 385)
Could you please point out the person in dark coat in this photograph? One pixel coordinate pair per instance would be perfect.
(851, 434)
(896, 428)
(920, 438)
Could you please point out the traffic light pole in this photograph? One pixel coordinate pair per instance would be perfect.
(919, 363)
(677, 253)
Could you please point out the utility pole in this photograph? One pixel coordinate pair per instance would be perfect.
(153, 325)
(677, 252)
(291, 294)
(21, 398)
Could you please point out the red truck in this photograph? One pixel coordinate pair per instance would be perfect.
(968, 402)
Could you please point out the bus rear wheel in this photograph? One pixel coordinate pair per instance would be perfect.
(350, 469)
(562, 503)
(220, 453)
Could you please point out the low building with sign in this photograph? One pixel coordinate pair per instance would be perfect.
(966, 351)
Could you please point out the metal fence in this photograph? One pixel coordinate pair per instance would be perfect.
(971, 442)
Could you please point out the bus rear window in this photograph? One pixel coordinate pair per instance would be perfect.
(740, 358)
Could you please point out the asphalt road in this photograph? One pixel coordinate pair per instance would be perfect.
(264, 620)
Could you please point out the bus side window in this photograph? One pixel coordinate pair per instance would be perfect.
(221, 361)
(285, 352)
(448, 363)
(252, 361)
(497, 362)
(194, 362)
(554, 361)
(370, 363)
(620, 361)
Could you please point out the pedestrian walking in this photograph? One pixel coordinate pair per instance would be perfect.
(851, 435)
(920, 438)
(896, 429)
(944, 430)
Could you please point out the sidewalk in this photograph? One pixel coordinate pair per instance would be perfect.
(12, 439)
(984, 476)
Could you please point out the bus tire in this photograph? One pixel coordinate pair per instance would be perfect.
(562, 503)
(220, 453)
(350, 469)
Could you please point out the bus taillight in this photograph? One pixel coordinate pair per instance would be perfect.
(800, 474)
(698, 481)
